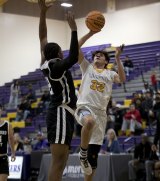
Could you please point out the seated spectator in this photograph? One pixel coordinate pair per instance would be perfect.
(131, 120)
(30, 96)
(27, 145)
(23, 110)
(137, 101)
(42, 143)
(44, 102)
(147, 88)
(18, 145)
(147, 106)
(128, 66)
(112, 114)
(111, 143)
(142, 155)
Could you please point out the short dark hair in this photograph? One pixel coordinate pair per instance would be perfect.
(1, 106)
(51, 51)
(103, 52)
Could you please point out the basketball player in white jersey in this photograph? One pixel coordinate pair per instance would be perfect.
(6, 136)
(95, 93)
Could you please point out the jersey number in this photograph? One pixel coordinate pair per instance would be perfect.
(99, 86)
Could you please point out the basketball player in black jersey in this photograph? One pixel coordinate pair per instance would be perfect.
(60, 121)
(6, 136)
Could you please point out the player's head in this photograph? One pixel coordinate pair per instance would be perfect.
(100, 57)
(52, 50)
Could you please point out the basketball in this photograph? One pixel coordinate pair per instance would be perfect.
(95, 21)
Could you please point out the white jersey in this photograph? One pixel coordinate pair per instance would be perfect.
(96, 86)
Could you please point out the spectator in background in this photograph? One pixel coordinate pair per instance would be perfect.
(142, 154)
(147, 88)
(157, 132)
(147, 106)
(27, 145)
(44, 102)
(137, 101)
(128, 65)
(23, 110)
(42, 143)
(154, 81)
(14, 92)
(131, 120)
(111, 143)
(18, 145)
(111, 114)
(30, 96)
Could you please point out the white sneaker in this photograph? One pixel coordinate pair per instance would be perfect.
(86, 167)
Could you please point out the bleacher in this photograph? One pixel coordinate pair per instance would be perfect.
(145, 59)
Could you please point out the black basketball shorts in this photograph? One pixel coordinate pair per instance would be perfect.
(60, 126)
(4, 165)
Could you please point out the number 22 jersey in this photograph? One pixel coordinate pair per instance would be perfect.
(96, 86)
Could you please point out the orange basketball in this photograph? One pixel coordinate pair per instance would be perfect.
(95, 21)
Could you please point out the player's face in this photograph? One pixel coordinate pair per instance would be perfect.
(100, 58)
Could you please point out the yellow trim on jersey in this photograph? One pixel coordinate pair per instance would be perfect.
(99, 70)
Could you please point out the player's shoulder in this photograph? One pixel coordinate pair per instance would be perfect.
(4, 122)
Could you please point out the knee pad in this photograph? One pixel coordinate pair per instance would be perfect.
(93, 151)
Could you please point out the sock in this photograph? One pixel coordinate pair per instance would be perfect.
(83, 153)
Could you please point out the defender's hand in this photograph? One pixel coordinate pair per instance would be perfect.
(71, 21)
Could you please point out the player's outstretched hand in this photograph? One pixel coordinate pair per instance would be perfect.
(119, 51)
(13, 157)
(71, 21)
(43, 5)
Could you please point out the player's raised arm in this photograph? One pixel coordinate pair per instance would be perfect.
(43, 26)
(121, 73)
(73, 51)
(63, 65)
(81, 42)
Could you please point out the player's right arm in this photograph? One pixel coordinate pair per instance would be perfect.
(81, 42)
(11, 142)
(43, 26)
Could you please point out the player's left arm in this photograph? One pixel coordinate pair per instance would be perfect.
(11, 142)
(120, 77)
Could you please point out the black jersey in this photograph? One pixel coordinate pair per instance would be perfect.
(59, 78)
(4, 137)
